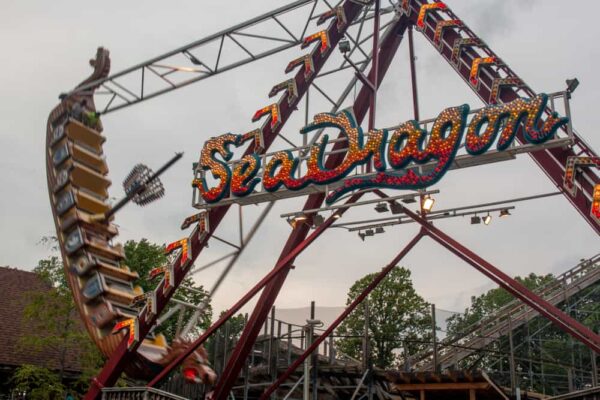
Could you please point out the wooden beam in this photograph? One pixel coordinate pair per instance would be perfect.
(441, 386)
(472, 395)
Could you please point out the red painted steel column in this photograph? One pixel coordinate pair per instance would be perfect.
(388, 50)
(563, 321)
(324, 335)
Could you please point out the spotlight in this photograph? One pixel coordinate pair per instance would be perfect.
(409, 200)
(396, 207)
(379, 229)
(369, 232)
(361, 236)
(318, 220)
(487, 219)
(427, 203)
(504, 213)
(381, 208)
(475, 220)
(344, 46)
(572, 85)
(300, 217)
(336, 216)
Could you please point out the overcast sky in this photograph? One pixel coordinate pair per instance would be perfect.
(46, 46)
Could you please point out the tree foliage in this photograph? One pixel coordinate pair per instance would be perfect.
(487, 303)
(54, 313)
(38, 383)
(142, 256)
(398, 318)
(545, 356)
(225, 338)
(52, 325)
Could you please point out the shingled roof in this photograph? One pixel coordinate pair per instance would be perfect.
(15, 288)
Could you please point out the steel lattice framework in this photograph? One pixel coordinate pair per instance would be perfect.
(566, 164)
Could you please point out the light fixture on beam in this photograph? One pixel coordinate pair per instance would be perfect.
(427, 203)
(361, 236)
(344, 46)
(475, 220)
(341, 207)
(318, 220)
(369, 232)
(297, 218)
(504, 213)
(397, 207)
(336, 215)
(572, 85)
(487, 219)
(379, 229)
(381, 207)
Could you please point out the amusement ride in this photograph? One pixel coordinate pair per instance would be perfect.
(338, 165)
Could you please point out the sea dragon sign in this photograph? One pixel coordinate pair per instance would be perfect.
(392, 151)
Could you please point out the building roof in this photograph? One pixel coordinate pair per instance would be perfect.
(16, 287)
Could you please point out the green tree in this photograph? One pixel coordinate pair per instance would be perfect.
(54, 313)
(142, 256)
(52, 321)
(486, 304)
(398, 318)
(545, 355)
(37, 382)
(225, 338)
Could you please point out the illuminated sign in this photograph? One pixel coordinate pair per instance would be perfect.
(393, 153)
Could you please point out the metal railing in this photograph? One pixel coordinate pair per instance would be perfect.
(138, 393)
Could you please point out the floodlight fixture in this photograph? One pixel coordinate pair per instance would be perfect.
(572, 84)
(344, 46)
(475, 220)
(396, 207)
(487, 219)
(504, 213)
(381, 207)
(318, 220)
(379, 229)
(427, 203)
(295, 219)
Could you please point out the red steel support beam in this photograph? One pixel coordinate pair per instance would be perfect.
(279, 267)
(122, 356)
(375, 65)
(563, 321)
(376, 281)
(413, 74)
(389, 46)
